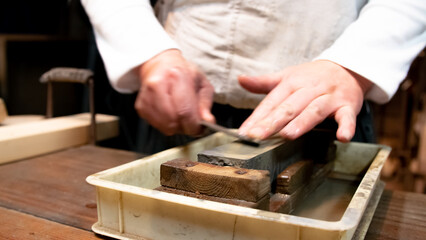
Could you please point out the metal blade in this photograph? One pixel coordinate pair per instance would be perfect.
(218, 128)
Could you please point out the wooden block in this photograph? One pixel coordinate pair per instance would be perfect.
(49, 135)
(225, 182)
(3, 111)
(261, 204)
(294, 176)
(286, 203)
(273, 155)
(20, 119)
(278, 201)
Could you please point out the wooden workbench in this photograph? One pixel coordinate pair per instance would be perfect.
(47, 197)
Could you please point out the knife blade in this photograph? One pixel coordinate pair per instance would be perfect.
(217, 128)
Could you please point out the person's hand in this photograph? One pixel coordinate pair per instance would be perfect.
(302, 96)
(174, 95)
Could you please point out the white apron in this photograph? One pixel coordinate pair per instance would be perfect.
(226, 38)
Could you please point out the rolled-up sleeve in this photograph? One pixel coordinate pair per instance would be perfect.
(127, 34)
(381, 44)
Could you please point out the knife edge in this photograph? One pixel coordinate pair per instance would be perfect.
(242, 138)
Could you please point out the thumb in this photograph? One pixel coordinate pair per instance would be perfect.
(260, 84)
(205, 101)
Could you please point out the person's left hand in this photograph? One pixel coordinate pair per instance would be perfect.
(302, 96)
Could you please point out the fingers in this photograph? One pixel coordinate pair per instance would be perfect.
(282, 113)
(184, 97)
(292, 126)
(193, 99)
(260, 84)
(174, 95)
(160, 113)
(346, 119)
(205, 100)
(268, 104)
(304, 97)
(312, 115)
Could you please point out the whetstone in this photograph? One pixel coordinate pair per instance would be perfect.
(294, 176)
(225, 182)
(273, 155)
(262, 204)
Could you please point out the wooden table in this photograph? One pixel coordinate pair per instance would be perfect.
(47, 197)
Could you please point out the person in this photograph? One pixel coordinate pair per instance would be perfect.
(295, 63)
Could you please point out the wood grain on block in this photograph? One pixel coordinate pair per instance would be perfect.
(3, 111)
(49, 135)
(225, 182)
(273, 155)
(294, 176)
(286, 203)
(278, 201)
(261, 204)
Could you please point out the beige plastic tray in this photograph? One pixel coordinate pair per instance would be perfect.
(129, 208)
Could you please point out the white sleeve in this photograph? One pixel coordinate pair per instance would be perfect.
(127, 34)
(382, 43)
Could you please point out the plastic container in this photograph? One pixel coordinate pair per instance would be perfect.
(129, 208)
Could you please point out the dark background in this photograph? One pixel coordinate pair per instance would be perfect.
(68, 42)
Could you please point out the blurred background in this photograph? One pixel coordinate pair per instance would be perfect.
(36, 36)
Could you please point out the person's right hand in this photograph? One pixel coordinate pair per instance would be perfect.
(174, 95)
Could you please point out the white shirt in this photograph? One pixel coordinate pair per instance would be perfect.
(377, 40)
